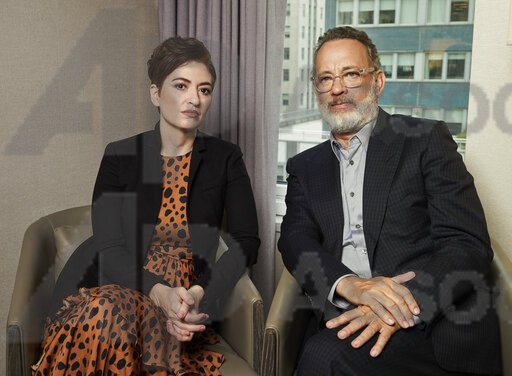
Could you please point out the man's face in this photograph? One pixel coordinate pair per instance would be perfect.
(347, 110)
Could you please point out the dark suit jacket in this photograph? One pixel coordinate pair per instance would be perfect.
(421, 212)
(126, 202)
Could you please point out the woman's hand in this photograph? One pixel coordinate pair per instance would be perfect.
(180, 306)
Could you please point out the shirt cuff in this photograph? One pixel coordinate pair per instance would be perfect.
(335, 299)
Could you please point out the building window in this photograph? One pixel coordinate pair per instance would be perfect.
(409, 11)
(345, 10)
(459, 10)
(303, 32)
(386, 62)
(288, 6)
(405, 66)
(434, 66)
(442, 11)
(365, 12)
(436, 11)
(286, 99)
(286, 75)
(287, 53)
(447, 65)
(302, 99)
(387, 12)
(302, 53)
(456, 65)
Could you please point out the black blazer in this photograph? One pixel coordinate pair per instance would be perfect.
(421, 212)
(126, 202)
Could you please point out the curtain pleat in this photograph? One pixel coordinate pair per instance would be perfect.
(245, 39)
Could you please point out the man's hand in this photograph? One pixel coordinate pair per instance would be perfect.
(391, 301)
(180, 306)
(359, 318)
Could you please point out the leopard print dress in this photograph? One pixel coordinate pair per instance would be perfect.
(112, 330)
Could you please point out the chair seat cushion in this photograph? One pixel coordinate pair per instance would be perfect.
(233, 363)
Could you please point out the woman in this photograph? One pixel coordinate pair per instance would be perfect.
(158, 203)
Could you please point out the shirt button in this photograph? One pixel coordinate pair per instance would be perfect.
(358, 226)
(351, 194)
(351, 162)
(364, 251)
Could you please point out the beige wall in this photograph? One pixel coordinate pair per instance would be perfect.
(489, 143)
(72, 78)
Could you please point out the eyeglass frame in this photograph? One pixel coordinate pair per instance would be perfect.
(359, 70)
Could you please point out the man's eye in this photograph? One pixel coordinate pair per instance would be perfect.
(352, 74)
(325, 79)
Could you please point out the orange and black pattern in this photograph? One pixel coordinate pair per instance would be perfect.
(112, 330)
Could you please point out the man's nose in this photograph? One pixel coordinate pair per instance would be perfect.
(337, 86)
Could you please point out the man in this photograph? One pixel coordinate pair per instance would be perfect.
(389, 215)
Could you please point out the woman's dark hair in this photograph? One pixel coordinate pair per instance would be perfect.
(174, 52)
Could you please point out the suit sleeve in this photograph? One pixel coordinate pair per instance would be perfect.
(242, 237)
(115, 230)
(462, 253)
(302, 242)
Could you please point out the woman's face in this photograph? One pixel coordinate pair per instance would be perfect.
(184, 97)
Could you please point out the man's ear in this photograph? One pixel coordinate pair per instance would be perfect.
(380, 79)
(154, 94)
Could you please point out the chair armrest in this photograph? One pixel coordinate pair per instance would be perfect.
(29, 303)
(288, 317)
(243, 326)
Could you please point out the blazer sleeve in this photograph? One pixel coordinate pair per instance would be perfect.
(462, 252)
(114, 222)
(242, 237)
(302, 242)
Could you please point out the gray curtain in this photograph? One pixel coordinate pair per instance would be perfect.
(245, 38)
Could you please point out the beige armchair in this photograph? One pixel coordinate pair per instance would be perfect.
(285, 325)
(48, 243)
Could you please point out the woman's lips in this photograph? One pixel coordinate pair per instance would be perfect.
(190, 113)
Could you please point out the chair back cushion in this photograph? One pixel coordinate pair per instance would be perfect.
(67, 239)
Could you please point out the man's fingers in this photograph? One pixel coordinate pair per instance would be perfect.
(405, 277)
(366, 334)
(343, 318)
(381, 311)
(353, 327)
(382, 341)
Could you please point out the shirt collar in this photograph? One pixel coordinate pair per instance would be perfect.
(363, 135)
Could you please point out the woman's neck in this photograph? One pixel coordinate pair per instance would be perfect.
(176, 141)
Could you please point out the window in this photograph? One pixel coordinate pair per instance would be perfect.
(288, 6)
(287, 53)
(386, 62)
(387, 12)
(436, 11)
(345, 9)
(302, 53)
(456, 65)
(459, 10)
(286, 75)
(286, 99)
(409, 11)
(434, 66)
(446, 66)
(365, 12)
(405, 66)
(443, 11)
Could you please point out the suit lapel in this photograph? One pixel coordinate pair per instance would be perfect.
(325, 190)
(384, 151)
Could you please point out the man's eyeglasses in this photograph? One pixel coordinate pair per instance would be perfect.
(350, 78)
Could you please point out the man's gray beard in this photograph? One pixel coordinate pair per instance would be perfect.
(354, 120)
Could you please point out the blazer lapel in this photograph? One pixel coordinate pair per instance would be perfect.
(195, 162)
(325, 189)
(384, 151)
